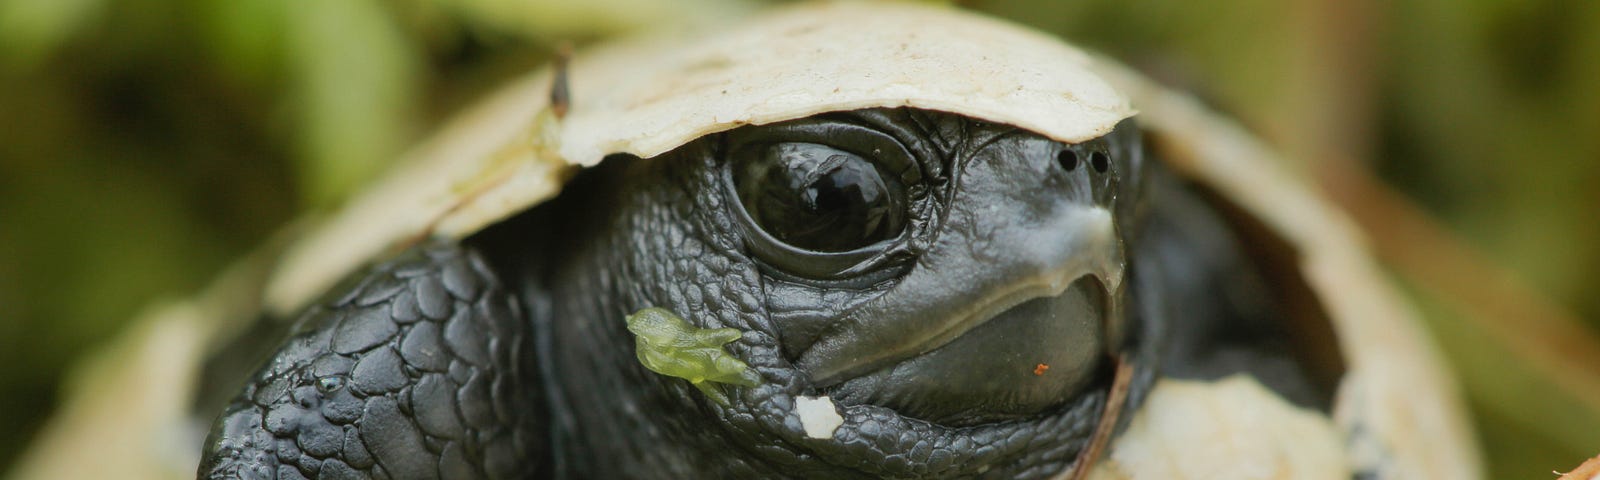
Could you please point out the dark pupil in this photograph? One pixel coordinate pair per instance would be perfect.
(818, 198)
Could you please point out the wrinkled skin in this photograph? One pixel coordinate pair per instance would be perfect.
(506, 356)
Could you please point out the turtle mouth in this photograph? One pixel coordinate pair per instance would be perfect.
(1024, 374)
(953, 292)
(1022, 352)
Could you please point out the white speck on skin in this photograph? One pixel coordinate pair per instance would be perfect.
(818, 415)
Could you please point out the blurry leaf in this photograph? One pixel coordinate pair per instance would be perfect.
(1528, 422)
(355, 84)
(1491, 139)
(246, 36)
(31, 29)
(566, 18)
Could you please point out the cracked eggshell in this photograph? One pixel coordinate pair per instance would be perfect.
(818, 416)
(649, 95)
(1193, 429)
(1397, 408)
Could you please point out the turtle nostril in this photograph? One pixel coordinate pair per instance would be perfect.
(1068, 160)
(1099, 161)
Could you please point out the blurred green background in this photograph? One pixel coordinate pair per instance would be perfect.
(146, 143)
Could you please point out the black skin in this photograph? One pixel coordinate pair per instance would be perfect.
(506, 355)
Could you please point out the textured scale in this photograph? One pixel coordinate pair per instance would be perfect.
(670, 248)
(423, 370)
(509, 356)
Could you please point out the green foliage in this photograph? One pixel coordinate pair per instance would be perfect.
(667, 344)
(31, 29)
(567, 19)
(355, 83)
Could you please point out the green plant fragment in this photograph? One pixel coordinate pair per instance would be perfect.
(669, 345)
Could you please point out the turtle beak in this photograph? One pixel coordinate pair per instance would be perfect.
(950, 293)
(1025, 275)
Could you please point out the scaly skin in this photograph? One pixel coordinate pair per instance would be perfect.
(423, 370)
(545, 379)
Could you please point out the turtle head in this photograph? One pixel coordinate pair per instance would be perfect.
(938, 278)
(975, 269)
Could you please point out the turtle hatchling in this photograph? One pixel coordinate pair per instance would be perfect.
(834, 240)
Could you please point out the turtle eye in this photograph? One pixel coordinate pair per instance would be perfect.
(817, 198)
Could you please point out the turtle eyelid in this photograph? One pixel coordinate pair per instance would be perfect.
(880, 147)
